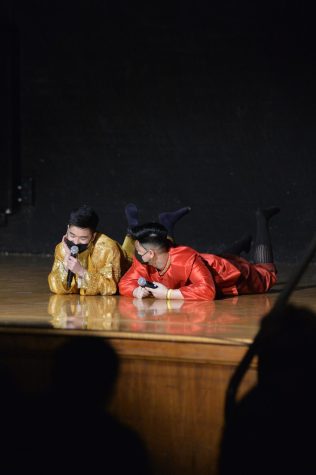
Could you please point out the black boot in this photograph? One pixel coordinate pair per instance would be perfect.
(131, 213)
(262, 250)
(170, 218)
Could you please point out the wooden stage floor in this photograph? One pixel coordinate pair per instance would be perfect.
(25, 301)
(176, 358)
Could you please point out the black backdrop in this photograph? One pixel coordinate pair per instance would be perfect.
(167, 104)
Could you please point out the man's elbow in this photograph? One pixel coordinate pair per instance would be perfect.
(125, 292)
(54, 288)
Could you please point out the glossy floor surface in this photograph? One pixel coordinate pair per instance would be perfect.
(26, 302)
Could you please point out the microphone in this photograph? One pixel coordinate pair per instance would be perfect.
(146, 283)
(73, 252)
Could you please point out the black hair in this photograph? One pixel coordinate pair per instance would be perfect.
(84, 217)
(153, 234)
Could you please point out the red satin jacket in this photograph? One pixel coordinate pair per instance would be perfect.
(203, 276)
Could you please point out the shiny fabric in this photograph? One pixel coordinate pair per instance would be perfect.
(203, 276)
(105, 261)
(76, 311)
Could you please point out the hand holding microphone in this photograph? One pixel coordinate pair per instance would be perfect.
(73, 253)
(150, 289)
(142, 282)
(143, 289)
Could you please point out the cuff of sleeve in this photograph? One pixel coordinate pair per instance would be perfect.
(82, 281)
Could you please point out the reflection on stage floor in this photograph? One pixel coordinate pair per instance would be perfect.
(27, 302)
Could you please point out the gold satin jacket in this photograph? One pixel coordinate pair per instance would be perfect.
(105, 262)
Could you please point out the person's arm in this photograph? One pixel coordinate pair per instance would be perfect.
(104, 270)
(128, 284)
(57, 279)
(162, 292)
(201, 284)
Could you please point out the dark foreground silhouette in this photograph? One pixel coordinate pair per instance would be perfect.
(271, 430)
(69, 430)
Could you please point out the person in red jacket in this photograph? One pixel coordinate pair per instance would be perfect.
(180, 272)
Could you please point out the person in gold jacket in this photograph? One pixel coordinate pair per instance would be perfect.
(100, 261)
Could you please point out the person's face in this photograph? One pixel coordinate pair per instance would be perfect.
(79, 235)
(143, 254)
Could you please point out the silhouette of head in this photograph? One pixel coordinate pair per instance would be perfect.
(85, 370)
(287, 356)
